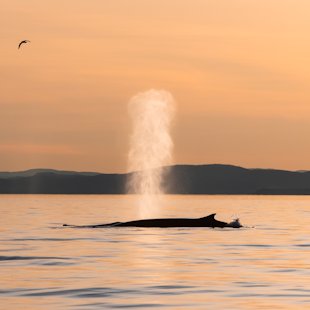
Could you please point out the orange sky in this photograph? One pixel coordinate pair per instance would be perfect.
(239, 71)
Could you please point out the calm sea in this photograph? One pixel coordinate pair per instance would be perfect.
(265, 265)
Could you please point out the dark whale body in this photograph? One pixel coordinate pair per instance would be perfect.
(207, 221)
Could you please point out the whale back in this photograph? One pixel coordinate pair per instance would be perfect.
(209, 217)
(211, 221)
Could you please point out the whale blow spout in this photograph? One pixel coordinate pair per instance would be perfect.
(151, 146)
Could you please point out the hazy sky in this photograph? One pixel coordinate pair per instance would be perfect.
(238, 69)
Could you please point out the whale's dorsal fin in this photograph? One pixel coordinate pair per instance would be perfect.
(209, 217)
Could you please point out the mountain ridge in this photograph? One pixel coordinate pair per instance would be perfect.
(179, 179)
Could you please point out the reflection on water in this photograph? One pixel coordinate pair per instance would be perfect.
(45, 266)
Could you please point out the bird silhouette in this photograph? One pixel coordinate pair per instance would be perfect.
(22, 42)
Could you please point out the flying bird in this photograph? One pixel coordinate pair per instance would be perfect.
(22, 42)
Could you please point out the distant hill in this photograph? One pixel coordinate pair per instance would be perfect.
(226, 179)
(181, 179)
(32, 172)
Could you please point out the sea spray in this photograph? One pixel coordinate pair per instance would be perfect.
(151, 147)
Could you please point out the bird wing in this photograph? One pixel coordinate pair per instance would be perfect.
(24, 41)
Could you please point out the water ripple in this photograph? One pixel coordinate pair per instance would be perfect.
(101, 292)
(305, 245)
(10, 258)
(50, 239)
(118, 306)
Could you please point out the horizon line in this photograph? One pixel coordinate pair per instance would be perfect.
(128, 172)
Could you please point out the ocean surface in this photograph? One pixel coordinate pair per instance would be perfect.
(265, 265)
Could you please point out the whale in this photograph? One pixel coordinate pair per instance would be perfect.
(207, 221)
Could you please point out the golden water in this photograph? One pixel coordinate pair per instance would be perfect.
(263, 266)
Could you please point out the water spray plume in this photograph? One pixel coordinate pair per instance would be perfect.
(150, 147)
